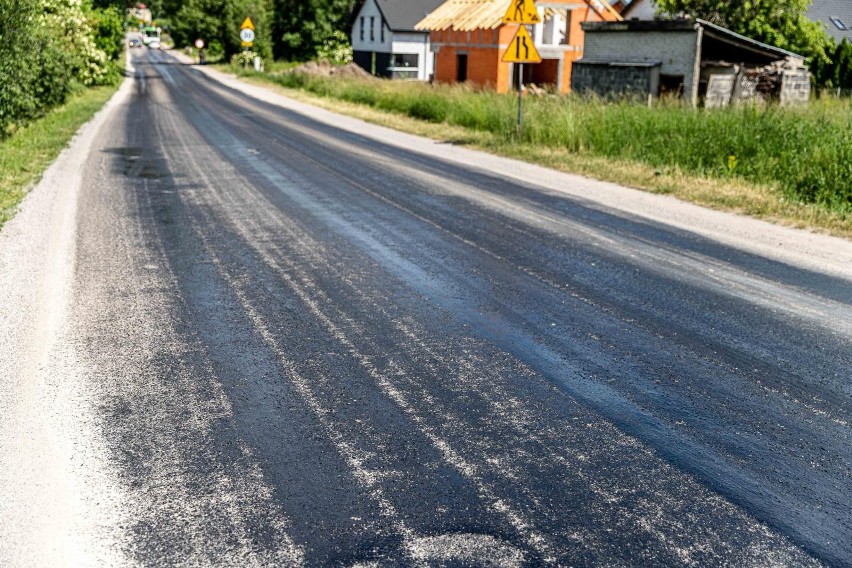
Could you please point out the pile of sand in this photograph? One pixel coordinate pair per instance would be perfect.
(325, 69)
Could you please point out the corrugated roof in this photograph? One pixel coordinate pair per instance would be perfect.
(469, 15)
(747, 40)
(403, 15)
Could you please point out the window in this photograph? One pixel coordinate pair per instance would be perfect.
(362, 28)
(404, 60)
(383, 31)
(404, 65)
(372, 28)
(839, 23)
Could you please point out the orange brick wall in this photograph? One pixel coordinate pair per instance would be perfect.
(484, 67)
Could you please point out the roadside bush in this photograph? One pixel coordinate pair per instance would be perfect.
(32, 65)
(215, 51)
(49, 49)
(108, 27)
(244, 58)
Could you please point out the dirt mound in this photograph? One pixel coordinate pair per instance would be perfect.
(325, 69)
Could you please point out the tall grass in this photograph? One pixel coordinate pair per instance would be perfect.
(27, 153)
(806, 152)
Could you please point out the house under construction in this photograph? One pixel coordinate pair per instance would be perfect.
(469, 39)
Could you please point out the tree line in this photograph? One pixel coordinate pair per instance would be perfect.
(288, 30)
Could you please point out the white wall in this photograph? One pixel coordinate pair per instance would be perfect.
(370, 10)
(402, 42)
(410, 42)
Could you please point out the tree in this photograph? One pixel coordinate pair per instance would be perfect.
(842, 66)
(218, 23)
(781, 23)
(302, 27)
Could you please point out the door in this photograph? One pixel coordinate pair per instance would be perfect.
(461, 67)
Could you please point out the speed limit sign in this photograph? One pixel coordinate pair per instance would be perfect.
(247, 35)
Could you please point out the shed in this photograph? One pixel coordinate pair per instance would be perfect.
(692, 59)
(385, 41)
(469, 39)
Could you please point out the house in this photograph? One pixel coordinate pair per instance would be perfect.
(469, 39)
(692, 59)
(385, 43)
(836, 15)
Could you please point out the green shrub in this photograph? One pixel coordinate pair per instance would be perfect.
(48, 50)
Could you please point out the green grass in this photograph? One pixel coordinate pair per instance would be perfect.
(799, 160)
(26, 154)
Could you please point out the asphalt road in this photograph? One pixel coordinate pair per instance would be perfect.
(287, 343)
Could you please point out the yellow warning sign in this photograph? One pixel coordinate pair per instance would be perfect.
(521, 49)
(247, 25)
(521, 12)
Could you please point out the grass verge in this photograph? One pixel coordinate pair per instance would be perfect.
(26, 154)
(783, 165)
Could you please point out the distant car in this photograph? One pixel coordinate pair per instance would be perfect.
(154, 44)
(134, 43)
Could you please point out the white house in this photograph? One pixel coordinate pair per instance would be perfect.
(385, 43)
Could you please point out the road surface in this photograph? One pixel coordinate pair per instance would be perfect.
(257, 335)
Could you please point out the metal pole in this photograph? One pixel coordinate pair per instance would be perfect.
(520, 97)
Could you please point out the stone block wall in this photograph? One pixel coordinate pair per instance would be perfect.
(675, 51)
(795, 86)
(609, 80)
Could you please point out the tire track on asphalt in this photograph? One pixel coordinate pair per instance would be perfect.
(254, 232)
(249, 158)
(827, 314)
(523, 525)
(159, 417)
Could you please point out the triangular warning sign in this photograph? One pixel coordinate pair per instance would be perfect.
(521, 12)
(247, 25)
(521, 49)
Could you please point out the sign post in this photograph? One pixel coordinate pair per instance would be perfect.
(247, 36)
(522, 47)
(199, 45)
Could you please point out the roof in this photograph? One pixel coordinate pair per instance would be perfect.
(825, 10)
(465, 15)
(401, 15)
(682, 25)
(606, 63)
(469, 15)
(719, 30)
(641, 9)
